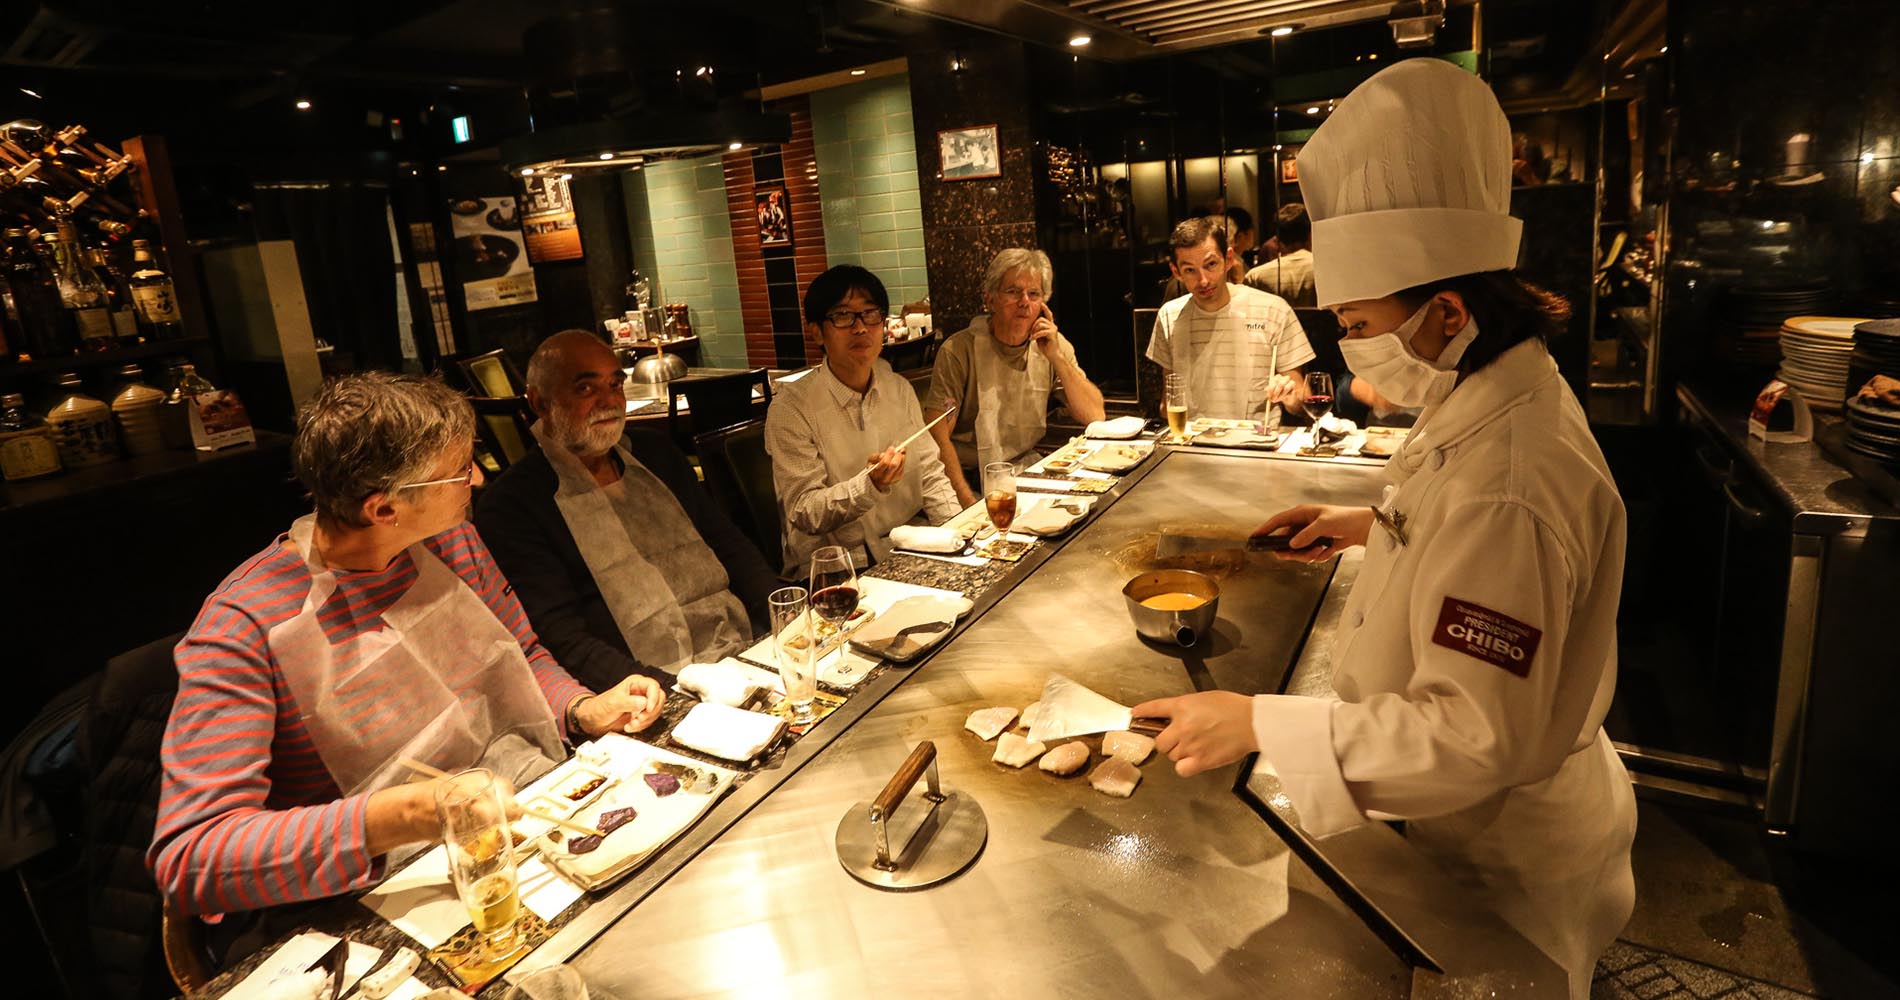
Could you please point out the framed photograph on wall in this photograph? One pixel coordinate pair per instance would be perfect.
(1290, 165)
(775, 215)
(968, 153)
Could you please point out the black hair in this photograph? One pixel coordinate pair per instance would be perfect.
(1243, 220)
(831, 288)
(1507, 309)
(1294, 226)
(1193, 232)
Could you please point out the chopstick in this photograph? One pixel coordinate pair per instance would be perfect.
(920, 431)
(436, 772)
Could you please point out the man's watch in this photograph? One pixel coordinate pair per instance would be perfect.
(573, 715)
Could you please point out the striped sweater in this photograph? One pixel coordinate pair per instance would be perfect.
(248, 816)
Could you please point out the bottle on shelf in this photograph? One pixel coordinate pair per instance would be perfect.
(82, 426)
(125, 322)
(174, 414)
(136, 408)
(26, 445)
(83, 295)
(34, 305)
(153, 297)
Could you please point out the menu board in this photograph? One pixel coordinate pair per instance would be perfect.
(488, 258)
(547, 219)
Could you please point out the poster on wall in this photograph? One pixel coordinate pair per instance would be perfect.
(1290, 165)
(488, 253)
(547, 219)
(775, 215)
(968, 153)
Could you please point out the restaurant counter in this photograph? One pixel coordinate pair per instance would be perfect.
(1202, 887)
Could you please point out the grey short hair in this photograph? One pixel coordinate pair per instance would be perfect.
(544, 364)
(371, 432)
(1018, 259)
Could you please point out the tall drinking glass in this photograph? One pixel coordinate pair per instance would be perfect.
(999, 494)
(1175, 403)
(556, 982)
(790, 620)
(481, 856)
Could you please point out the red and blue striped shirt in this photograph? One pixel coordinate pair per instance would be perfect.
(248, 816)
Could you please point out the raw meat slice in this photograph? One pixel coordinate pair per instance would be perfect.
(1066, 759)
(663, 784)
(583, 845)
(987, 722)
(1029, 715)
(613, 819)
(1131, 747)
(1115, 776)
(1017, 751)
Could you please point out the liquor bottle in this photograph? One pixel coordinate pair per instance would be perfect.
(35, 307)
(135, 407)
(82, 293)
(153, 296)
(175, 414)
(639, 292)
(26, 445)
(82, 426)
(125, 322)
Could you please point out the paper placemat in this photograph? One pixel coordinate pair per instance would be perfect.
(289, 962)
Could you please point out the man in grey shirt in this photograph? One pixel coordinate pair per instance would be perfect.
(1290, 275)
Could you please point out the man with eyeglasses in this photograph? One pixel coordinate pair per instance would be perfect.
(1000, 370)
(376, 631)
(623, 562)
(832, 435)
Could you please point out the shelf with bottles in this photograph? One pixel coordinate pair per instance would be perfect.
(182, 347)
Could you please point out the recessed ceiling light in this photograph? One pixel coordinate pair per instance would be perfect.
(1077, 41)
(302, 104)
(35, 95)
(606, 156)
(567, 177)
(857, 72)
(736, 146)
(527, 171)
(1312, 110)
(442, 167)
(1283, 30)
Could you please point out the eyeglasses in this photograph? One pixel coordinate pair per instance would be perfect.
(845, 319)
(468, 475)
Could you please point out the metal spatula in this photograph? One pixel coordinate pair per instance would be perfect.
(1069, 709)
(1169, 546)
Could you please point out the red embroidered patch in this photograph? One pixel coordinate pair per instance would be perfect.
(1484, 634)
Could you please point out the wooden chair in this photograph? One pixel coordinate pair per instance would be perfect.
(738, 472)
(911, 355)
(185, 954)
(713, 402)
(502, 424)
(488, 374)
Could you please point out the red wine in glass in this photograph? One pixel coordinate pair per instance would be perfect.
(834, 585)
(1319, 395)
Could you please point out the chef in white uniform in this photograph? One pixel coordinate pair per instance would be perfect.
(1477, 653)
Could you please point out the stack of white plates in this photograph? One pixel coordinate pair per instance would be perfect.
(1814, 356)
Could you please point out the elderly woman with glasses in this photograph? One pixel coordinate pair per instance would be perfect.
(375, 632)
(999, 371)
(833, 435)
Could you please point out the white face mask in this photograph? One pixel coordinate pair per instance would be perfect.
(1400, 375)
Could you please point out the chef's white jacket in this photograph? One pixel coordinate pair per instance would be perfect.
(1474, 665)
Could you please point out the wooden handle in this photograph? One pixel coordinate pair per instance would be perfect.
(1148, 727)
(1282, 543)
(900, 784)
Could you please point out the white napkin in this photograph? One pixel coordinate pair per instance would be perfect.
(1048, 519)
(1119, 427)
(1332, 424)
(726, 732)
(281, 975)
(919, 538)
(728, 682)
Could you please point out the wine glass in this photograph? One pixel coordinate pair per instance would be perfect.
(481, 857)
(1175, 403)
(1319, 394)
(556, 982)
(790, 620)
(834, 584)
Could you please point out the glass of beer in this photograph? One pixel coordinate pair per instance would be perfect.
(791, 621)
(1175, 403)
(481, 857)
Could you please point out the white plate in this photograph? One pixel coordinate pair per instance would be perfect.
(907, 613)
(657, 822)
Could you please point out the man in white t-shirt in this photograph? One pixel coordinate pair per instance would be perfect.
(1238, 348)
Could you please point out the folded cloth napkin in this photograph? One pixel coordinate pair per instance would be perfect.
(1046, 519)
(726, 732)
(727, 682)
(1119, 427)
(1335, 427)
(919, 538)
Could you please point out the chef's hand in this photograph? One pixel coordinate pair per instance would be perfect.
(1285, 389)
(1346, 526)
(406, 814)
(1206, 730)
(627, 707)
(887, 467)
(1045, 335)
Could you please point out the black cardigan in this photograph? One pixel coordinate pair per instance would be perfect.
(519, 521)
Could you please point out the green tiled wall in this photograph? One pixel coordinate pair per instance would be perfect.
(682, 239)
(867, 182)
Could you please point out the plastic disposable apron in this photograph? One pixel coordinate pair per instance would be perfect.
(1225, 370)
(667, 592)
(443, 682)
(1012, 391)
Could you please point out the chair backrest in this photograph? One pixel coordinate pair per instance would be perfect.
(909, 355)
(739, 472)
(502, 425)
(488, 374)
(1323, 332)
(713, 401)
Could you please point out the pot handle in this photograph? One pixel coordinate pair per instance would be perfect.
(1184, 634)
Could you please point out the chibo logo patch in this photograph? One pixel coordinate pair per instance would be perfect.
(1484, 634)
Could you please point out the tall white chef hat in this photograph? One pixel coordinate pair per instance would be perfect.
(1408, 182)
